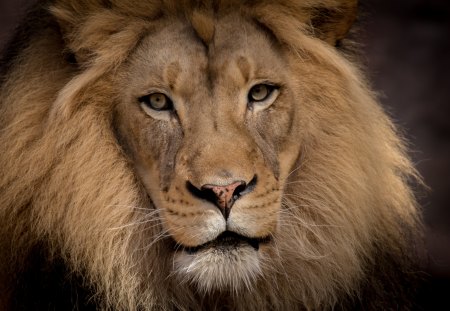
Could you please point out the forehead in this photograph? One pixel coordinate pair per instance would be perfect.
(237, 45)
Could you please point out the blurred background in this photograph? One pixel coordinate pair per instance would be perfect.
(405, 47)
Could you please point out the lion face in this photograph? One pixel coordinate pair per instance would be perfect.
(209, 131)
(203, 155)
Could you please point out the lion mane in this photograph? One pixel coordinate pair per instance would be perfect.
(80, 230)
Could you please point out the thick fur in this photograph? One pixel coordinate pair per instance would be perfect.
(77, 199)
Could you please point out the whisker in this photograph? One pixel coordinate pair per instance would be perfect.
(302, 163)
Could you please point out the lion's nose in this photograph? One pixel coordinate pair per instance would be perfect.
(223, 196)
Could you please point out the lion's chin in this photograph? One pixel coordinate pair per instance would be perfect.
(225, 264)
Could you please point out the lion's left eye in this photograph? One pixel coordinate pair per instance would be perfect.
(262, 94)
(259, 92)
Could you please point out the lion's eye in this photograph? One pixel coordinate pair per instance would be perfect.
(157, 101)
(262, 96)
(259, 92)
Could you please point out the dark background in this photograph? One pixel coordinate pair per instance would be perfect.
(405, 47)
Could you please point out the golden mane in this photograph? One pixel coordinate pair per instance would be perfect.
(68, 188)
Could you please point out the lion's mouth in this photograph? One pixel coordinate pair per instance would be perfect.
(228, 240)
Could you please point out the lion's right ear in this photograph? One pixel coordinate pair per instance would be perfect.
(70, 20)
(99, 30)
(88, 28)
(99, 38)
(330, 20)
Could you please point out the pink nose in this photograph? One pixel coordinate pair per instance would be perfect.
(225, 195)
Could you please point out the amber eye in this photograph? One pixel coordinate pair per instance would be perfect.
(157, 101)
(260, 92)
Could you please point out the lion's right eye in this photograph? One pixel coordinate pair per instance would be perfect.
(156, 101)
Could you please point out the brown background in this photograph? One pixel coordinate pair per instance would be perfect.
(406, 49)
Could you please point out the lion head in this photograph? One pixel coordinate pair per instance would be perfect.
(203, 154)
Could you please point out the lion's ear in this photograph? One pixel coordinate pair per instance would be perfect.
(94, 31)
(70, 20)
(331, 19)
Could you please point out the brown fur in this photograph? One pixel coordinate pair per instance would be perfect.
(98, 184)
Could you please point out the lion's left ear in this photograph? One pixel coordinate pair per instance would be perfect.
(331, 20)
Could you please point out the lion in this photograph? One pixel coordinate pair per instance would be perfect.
(199, 155)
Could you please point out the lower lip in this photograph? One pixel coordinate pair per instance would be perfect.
(228, 244)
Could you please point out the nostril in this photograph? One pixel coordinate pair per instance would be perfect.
(204, 194)
(239, 191)
(245, 188)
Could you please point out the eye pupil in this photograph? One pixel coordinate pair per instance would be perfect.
(157, 101)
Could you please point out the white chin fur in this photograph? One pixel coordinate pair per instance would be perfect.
(219, 269)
